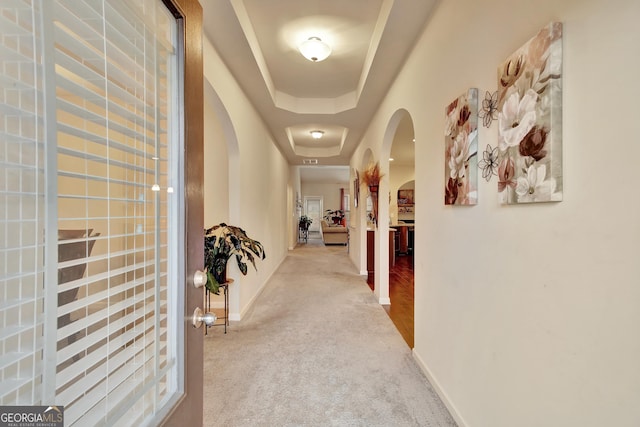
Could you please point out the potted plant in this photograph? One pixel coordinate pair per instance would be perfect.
(304, 222)
(371, 177)
(334, 216)
(223, 241)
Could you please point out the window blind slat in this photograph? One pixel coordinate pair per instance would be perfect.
(8, 54)
(92, 387)
(128, 397)
(113, 348)
(105, 275)
(14, 28)
(97, 178)
(82, 133)
(15, 110)
(104, 160)
(12, 385)
(84, 114)
(134, 13)
(100, 313)
(70, 43)
(89, 74)
(116, 92)
(83, 11)
(74, 88)
(118, 352)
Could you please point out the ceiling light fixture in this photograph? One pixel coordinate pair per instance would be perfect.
(316, 134)
(314, 49)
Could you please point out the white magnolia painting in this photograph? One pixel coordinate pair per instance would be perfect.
(461, 150)
(530, 120)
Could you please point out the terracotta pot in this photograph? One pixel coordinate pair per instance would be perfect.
(374, 200)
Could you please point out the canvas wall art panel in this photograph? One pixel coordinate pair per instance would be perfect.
(530, 121)
(461, 150)
(405, 197)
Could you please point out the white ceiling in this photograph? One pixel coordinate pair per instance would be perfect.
(370, 40)
(325, 174)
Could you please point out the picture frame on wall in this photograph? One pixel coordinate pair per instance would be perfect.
(461, 150)
(530, 120)
(356, 188)
(405, 198)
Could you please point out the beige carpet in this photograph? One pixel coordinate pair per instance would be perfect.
(316, 350)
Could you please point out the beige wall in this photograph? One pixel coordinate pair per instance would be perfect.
(330, 193)
(529, 315)
(254, 195)
(216, 167)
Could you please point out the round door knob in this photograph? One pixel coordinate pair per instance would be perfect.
(200, 317)
(199, 279)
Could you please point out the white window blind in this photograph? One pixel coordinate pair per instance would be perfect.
(21, 205)
(110, 70)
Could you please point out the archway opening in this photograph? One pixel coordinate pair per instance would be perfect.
(401, 226)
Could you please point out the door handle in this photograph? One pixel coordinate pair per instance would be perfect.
(200, 317)
(199, 279)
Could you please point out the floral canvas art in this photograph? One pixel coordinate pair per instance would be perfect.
(405, 198)
(530, 121)
(461, 150)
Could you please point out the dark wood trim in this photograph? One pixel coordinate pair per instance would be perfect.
(189, 409)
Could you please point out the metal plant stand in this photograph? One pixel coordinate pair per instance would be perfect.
(303, 232)
(225, 318)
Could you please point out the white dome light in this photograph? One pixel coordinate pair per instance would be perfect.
(314, 49)
(316, 134)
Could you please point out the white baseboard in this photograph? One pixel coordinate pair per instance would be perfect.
(436, 386)
(364, 273)
(384, 301)
(236, 317)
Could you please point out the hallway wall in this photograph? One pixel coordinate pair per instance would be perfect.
(330, 193)
(254, 194)
(529, 315)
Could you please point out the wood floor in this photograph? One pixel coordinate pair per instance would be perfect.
(401, 294)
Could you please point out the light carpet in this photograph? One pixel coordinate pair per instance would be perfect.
(316, 349)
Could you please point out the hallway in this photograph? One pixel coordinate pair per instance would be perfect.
(316, 349)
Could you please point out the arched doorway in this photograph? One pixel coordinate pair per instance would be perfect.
(401, 225)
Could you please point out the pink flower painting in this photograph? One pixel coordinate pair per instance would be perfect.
(530, 120)
(461, 150)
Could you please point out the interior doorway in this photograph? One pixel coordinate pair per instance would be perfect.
(313, 209)
(402, 223)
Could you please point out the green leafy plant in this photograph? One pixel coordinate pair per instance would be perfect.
(221, 242)
(304, 222)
